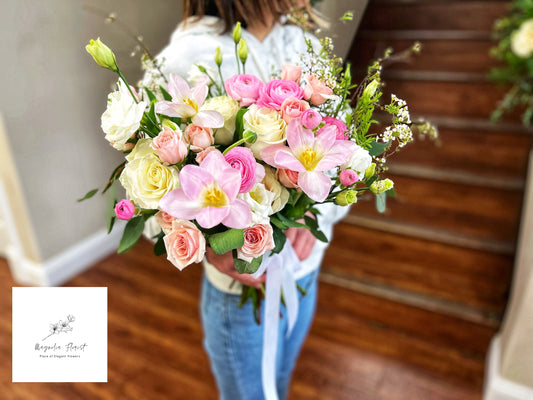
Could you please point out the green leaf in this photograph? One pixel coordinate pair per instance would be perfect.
(244, 267)
(279, 239)
(381, 202)
(391, 193)
(114, 176)
(132, 233)
(225, 241)
(377, 148)
(159, 246)
(151, 95)
(289, 222)
(313, 227)
(110, 211)
(276, 222)
(165, 94)
(148, 212)
(239, 126)
(88, 195)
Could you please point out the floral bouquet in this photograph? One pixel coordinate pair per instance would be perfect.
(514, 33)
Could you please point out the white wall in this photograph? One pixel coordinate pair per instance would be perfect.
(53, 96)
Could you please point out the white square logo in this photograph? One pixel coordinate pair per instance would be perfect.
(59, 334)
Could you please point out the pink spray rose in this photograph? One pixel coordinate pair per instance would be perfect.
(164, 220)
(288, 178)
(316, 90)
(170, 146)
(340, 127)
(185, 244)
(258, 239)
(242, 159)
(201, 155)
(311, 119)
(276, 91)
(124, 209)
(293, 108)
(243, 88)
(291, 72)
(348, 177)
(199, 138)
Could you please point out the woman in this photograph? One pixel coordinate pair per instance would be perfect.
(233, 340)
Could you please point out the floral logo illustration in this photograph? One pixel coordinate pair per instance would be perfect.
(61, 326)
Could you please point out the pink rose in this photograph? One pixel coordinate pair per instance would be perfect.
(274, 93)
(124, 209)
(243, 88)
(185, 244)
(311, 119)
(316, 90)
(258, 239)
(170, 145)
(199, 138)
(288, 178)
(242, 159)
(293, 108)
(165, 221)
(348, 177)
(291, 72)
(340, 127)
(201, 155)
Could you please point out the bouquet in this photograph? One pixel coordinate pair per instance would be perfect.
(233, 162)
(514, 33)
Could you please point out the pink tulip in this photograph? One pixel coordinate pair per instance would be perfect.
(208, 193)
(124, 209)
(310, 156)
(186, 103)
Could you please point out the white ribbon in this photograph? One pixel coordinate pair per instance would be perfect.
(281, 268)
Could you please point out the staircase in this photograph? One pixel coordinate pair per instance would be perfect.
(432, 274)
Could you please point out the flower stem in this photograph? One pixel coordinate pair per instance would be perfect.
(233, 145)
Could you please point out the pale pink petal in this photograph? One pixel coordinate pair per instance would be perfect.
(239, 216)
(214, 162)
(230, 180)
(327, 137)
(208, 119)
(287, 160)
(199, 92)
(298, 136)
(209, 217)
(259, 172)
(338, 154)
(178, 88)
(271, 155)
(174, 109)
(179, 205)
(193, 180)
(314, 184)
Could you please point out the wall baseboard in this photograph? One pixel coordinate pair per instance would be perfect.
(496, 386)
(62, 267)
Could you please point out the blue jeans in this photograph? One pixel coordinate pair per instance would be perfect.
(233, 341)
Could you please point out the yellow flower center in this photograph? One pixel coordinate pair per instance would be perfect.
(309, 159)
(214, 196)
(192, 103)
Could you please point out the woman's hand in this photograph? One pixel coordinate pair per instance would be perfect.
(302, 241)
(224, 263)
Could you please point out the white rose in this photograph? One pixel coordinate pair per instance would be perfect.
(122, 117)
(145, 178)
(267, 124)
(228, 108)
(522, 39)
(259, 199)
(359, 161)
(281, 194)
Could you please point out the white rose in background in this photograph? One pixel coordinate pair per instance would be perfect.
(281, 194)
(359, 161)
(122, 117)
(267, 124)
(145, 178)
(228, 108)
(259, 199)
(522, 39)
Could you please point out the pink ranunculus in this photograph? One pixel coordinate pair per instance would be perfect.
(124, 209)
(170, 146)
(340, 127)
(348, 177)
(243, 88)
(274, 93)
(199, 138)
(317, 91)
(258, 239)
(311, 119)
(293, 108)
(291, 72)
(164, 220)
(288, 178)
(208, 194)
(243, 160)
(185, 244)
(201, 155)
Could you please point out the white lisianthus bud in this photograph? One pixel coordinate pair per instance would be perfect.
(102, 54)
(381, 186)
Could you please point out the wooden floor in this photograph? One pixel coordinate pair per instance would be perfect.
(155, 345)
